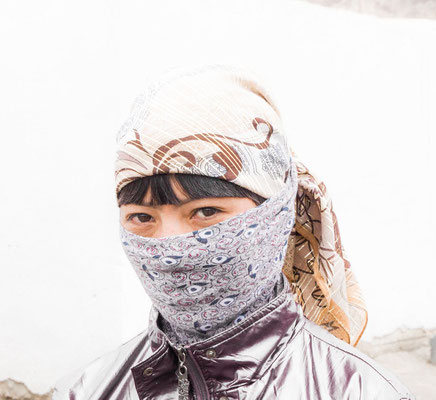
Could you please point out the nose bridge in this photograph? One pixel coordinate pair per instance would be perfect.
(172, 223)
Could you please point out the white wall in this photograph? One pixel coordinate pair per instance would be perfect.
(357, 94)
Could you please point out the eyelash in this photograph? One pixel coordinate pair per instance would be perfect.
(208, 208)
(131, 216)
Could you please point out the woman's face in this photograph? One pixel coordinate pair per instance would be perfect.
(190, 215)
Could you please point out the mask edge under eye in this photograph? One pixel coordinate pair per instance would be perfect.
(198, 232)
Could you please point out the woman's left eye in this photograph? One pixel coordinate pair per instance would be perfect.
(206, 212)
(143, 218)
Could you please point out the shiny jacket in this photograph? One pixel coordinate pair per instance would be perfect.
(276, 353)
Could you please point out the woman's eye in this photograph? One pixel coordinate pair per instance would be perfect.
(140, 217)
(206, 212)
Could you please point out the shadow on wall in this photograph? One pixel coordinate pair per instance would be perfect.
(386, 8)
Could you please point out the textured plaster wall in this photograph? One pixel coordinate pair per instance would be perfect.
(386, 8)
(13, 390)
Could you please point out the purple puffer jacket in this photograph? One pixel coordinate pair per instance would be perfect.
(276, 353)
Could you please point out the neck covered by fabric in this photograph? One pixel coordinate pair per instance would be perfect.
(204, 281)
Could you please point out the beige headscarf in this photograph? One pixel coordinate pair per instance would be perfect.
(219, 121)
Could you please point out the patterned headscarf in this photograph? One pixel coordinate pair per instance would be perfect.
(219, 121)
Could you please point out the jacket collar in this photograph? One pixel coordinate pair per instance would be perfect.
(263, 334)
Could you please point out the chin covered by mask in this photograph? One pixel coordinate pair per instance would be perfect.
(205, 281)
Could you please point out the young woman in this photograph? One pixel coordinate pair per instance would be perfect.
(237, 245)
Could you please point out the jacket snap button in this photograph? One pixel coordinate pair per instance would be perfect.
(147, 371)
(211, 353)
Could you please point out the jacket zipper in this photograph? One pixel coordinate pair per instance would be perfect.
(182, 375)
(199, 385)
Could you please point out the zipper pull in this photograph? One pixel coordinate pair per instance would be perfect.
(182, 375)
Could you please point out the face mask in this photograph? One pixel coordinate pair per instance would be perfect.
(204, 281)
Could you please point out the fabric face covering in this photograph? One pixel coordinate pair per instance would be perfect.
(204, 281)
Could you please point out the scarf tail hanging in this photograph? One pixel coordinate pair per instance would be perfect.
(316, 265)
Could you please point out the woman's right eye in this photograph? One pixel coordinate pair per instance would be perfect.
(141, 217)
(206, 212)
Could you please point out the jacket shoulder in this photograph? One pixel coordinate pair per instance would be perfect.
(359, 369)
(93, 380)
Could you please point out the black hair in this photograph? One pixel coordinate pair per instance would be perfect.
(194, 186)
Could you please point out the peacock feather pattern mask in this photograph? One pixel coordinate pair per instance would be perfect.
(204, 281)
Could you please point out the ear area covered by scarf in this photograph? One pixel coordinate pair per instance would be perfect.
(316, 265)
